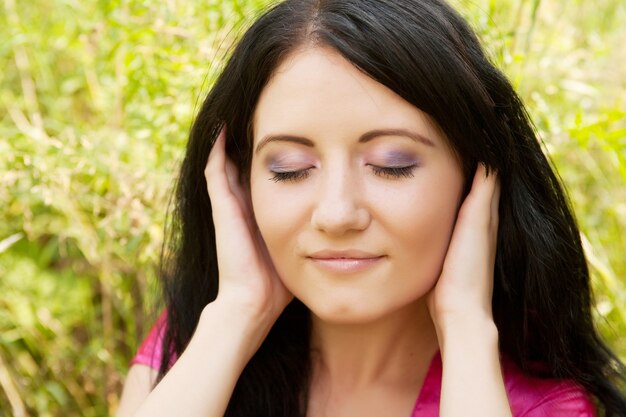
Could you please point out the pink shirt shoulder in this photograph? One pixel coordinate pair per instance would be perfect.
(151, 351)
(528, 396)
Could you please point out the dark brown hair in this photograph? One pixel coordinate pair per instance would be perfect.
(425, 52)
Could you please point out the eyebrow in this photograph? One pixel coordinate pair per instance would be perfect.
(366, 137)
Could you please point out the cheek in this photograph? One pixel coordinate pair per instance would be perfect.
(278, 215)
(423, 225)
(431, 235)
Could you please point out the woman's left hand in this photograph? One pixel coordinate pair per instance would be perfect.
(464, 289)
(472, 382)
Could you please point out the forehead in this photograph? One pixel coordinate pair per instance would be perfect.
(318, 92)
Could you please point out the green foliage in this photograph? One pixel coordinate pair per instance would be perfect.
(566, 59)
(97, 98)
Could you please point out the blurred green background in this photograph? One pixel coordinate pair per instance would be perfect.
(96, 100)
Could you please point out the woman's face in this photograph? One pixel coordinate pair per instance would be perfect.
(354, 190)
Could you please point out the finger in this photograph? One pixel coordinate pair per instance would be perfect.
(214, 169)
(476, 225)
(238, 191)
(223, 201)
(495, 203)
(476, 208)
(469, 262)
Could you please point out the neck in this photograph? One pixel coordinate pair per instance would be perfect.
(394, 350)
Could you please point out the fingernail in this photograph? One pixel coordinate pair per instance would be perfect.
(482, 168)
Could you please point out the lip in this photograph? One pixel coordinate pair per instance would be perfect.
(347, 261)
(338, 254)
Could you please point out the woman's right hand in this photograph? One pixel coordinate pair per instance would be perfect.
(248, 280)
(251, 296)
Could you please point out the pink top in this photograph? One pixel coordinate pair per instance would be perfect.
(528, 396)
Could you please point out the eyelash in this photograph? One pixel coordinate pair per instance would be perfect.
(385, 172)
(291, 176)
(394, 172)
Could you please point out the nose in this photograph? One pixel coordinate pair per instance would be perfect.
(340, 207)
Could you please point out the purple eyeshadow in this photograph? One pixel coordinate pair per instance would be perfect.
(277, 167)
(285, 164)
(399, 159)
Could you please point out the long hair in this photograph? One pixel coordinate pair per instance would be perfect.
(427, 54)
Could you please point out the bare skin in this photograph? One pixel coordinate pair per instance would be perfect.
(488, 398)
(387, 369)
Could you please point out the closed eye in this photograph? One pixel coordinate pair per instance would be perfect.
(385, 172)
(292, 176)
(394, 172)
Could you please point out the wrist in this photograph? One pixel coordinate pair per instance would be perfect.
(467, 333)
(233, 326)
(472, 377)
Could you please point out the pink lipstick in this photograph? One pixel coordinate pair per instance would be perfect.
(348, 261)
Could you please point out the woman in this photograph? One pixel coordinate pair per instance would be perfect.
(365, 160)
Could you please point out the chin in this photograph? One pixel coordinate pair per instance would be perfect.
(345, 313)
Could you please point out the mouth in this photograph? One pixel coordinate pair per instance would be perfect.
(344, 254)
(345, 261)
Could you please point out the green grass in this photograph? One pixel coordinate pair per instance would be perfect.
(97, 98)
